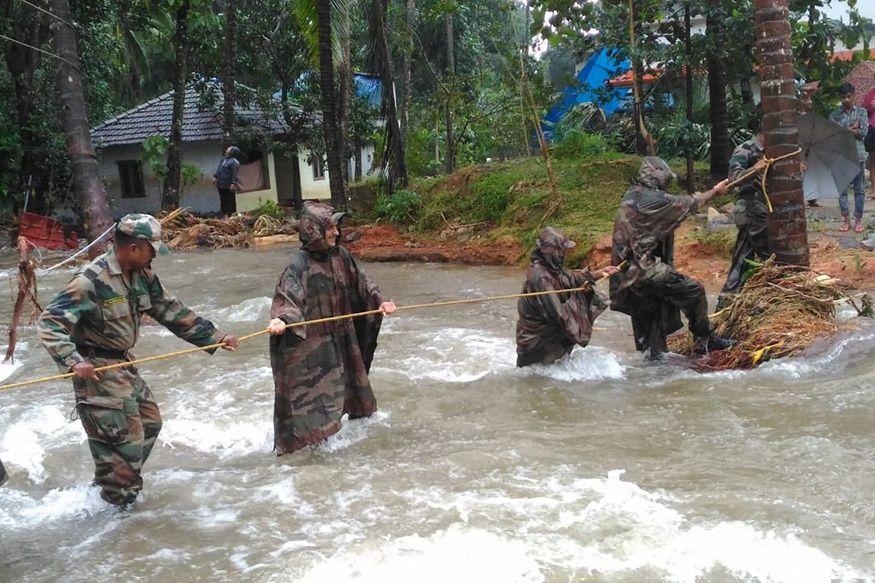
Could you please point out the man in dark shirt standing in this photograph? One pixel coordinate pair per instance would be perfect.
(226, 181)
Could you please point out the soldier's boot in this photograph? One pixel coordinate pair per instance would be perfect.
(712, 343)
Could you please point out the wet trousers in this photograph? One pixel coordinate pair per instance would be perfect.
(654, 313)
(751, 243)
(122, 422)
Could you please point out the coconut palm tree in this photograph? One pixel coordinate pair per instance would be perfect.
(788, 236)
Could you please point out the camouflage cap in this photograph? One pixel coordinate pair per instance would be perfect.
(143, 226)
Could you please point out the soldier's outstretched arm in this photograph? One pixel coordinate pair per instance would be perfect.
(56, 323)
(181, 320)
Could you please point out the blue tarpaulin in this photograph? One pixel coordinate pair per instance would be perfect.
(592, 87)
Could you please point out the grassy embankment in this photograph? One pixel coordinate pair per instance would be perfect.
(514, 198)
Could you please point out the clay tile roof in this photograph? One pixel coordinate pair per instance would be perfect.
(201, 119)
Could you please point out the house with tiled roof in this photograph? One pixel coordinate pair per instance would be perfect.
(264, 175)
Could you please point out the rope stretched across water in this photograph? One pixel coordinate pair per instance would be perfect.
(244, 338)
(769, 162)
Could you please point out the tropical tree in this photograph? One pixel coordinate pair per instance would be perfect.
(83, 160)
(788, 238)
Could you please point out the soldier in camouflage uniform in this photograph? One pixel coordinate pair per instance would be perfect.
(95, 321)
(647, 287)
(320, 371)
(751, 214)
(550, 326)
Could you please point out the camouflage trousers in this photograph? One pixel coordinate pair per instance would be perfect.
(122, 421)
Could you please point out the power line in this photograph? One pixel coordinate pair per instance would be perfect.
(50, 54)
(52, 14)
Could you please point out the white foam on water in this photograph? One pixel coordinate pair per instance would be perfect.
(455, 554)
(592, 363)
(168, 556)
(25, 443)
(458, 355)
(608, 526)
(251, 310)
(7, 368)
(218, 435)
(353, 431)
(25, 511)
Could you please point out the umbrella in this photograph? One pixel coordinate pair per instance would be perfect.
(862, 77)
(830, 154)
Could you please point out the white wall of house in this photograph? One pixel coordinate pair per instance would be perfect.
(311, 186)
(200, 197)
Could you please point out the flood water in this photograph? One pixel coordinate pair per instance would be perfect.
(600, 468)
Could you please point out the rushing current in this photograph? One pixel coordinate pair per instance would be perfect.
(598, 468)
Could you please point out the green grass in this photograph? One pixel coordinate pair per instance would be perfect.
(511, 198)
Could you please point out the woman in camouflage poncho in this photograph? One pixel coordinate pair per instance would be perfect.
(321, 371)
(549, 326)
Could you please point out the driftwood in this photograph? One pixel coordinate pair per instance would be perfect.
(27, 291)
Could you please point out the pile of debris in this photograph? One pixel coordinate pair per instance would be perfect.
(780, 311)
(185, 231)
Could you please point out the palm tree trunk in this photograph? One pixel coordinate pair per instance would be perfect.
(645, 142)
(345, 90)
(406, 69)
(688, 89)
(170, 193)
(788, 237)
(229, 72)
(721, 147)
(450, 159)
(333, 147)
(83, 160)
(394, 149)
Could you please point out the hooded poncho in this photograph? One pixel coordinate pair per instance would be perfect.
(320, 371)
(550, 326)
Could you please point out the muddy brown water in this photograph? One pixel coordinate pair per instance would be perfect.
(599, 468)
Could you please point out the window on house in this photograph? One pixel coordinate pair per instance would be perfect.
(318, 168)
(130, 174)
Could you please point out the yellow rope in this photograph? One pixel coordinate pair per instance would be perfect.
(769, 162)
(127, 363)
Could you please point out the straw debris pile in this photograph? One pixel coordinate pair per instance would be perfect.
(184, 231)
(780, 311)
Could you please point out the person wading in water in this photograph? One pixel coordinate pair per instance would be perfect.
(550, 326)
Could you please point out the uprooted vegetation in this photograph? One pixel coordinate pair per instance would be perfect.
(781, 311)
(184, 230)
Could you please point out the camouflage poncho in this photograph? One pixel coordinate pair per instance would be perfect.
(751, 215)
(550, 326)
(321, 371)
(648, 288)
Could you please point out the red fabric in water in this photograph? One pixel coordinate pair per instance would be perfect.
(45, 232)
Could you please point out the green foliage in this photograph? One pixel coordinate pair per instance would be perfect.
(155, 158)
(155, 155)
(402, 207)
(270, 208)
(515, 195)
(578, 145)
